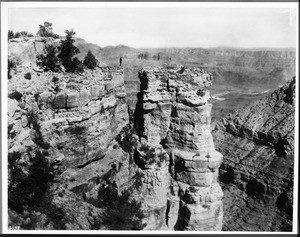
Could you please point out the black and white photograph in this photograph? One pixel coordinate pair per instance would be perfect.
(149, 117)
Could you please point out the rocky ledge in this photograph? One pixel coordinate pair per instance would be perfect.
(172, 119)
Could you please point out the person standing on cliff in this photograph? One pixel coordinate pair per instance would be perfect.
(120, 61)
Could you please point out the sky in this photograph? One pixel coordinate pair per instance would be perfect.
(142, 27)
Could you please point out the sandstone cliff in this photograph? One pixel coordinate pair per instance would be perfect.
(89, 107)
(173, 116)
(69, 121)
(258, 168)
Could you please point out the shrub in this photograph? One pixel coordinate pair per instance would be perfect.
(15, 95)
(67, 52)
(38, 137)
(10, 34)
(17, 35)
(90, 60)
(77, 65)
(27, 76)
(201, 92)
(126, 138)
(29, 183)
(107, 195)
(121, 212)
(57, 88)
(50, 60)
(149, 152)
(27, 189)
(57, 216)
(55, 36)
(16, 178)
(26, 220)
(55, 79)
(25, 34)
(46, 30)
(149, 157)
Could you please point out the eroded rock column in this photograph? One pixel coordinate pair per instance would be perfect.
(175, 114)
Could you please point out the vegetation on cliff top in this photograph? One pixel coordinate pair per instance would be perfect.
(55, 57)
(46, 30)
(90, 60)
(67, 51)
(49, 61)
(12, 35)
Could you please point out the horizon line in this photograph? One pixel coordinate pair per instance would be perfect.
(197, 47)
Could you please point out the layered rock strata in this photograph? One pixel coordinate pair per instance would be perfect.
(173, 114)
(72, 120)
(258, 168)
(77, 116)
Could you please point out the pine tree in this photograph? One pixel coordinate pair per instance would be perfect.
(90, 60)
(50, 61)
(67, 52)
(46, 30)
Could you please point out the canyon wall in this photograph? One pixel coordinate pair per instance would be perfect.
(80, 124)
(77, 114)
(70, 109)
(173, 115)
(258, 168)
(267, 60)
(69, 121)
